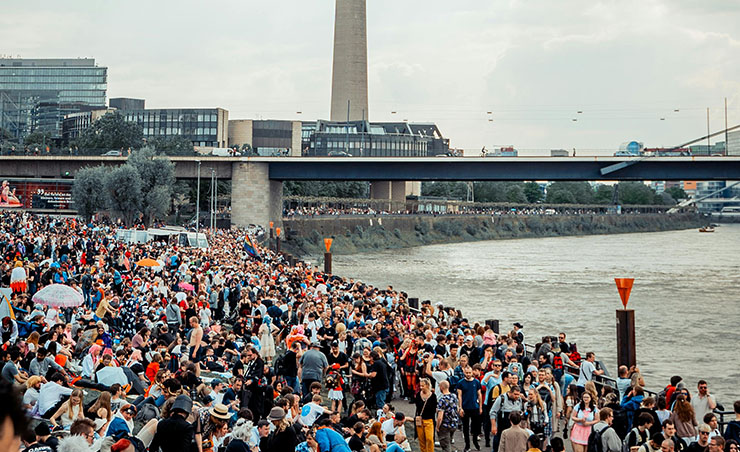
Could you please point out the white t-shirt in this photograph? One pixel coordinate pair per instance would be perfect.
(586, 373)
(388, 428)
(310, 412)
(439, 377)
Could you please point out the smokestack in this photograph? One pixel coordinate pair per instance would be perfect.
(349, 72)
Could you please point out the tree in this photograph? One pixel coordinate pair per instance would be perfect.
(111, 132)
(157, 179)
(581, 191)
(533, 192)
(561, 197)
(515, 194)
(677, 193)
(123, 190)
(604, 194)
(88, 191)
(635, 193)
(38, 139)
(176, 145)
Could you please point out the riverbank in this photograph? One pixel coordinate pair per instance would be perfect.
(358, 234)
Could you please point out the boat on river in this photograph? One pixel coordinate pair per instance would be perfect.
(707, 229)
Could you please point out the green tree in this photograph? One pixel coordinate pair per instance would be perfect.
(561, 197)
(329, 189)
(677, 193)
(38, 139)
(157, 176)
(490, 191)
(176, 145)
(635, 193)
(111, 132)
(88, 191)
(604, 194)
(515, 194)
(581, 191)
(123, 190)
(664, 198)
(533, 192)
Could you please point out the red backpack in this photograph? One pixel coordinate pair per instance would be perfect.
(557, 362)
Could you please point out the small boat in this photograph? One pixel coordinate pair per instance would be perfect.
(707, 229)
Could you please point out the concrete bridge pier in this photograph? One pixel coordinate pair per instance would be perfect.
(394, 191)
(255, 199)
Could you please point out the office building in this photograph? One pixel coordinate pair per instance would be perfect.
(733, 143)
(74, 123)
(205, 127)
(36, 94)
(377, 139)
(269, 137)
(126, 103)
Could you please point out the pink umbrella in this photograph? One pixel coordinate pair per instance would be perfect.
(186, 286)
(58, 296)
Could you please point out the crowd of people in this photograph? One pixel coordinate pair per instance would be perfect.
(430, 208)
(220, 349)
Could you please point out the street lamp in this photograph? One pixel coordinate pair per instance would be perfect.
(197, 203)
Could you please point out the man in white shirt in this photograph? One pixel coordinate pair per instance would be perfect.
(703, 402)
(52, 395)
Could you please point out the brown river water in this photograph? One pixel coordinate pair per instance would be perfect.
(686, 294)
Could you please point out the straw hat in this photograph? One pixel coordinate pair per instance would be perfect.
(220, 411)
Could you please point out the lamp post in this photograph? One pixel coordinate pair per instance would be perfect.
(197, 203)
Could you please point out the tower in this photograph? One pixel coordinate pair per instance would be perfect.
(349, 72)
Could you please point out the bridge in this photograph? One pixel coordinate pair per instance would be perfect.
(257, 181)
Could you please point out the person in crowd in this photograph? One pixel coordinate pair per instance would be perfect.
(702, 442)
(584, 416)
(514, 438)
(587, 371)
(175, 433)
(470, 398)
(684, 419)
(426, 407)
(70, 411)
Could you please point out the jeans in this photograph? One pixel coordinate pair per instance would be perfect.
(293, 383)
(380, 398)
(445, 438)
(471, 416)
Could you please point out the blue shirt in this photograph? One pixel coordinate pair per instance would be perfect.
(331, 441)
(470, 390)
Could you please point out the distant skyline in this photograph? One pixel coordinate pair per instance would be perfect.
(534, 65)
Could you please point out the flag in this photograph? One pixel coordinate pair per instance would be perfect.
(250, 247)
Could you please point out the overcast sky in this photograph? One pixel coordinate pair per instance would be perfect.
(534, 64)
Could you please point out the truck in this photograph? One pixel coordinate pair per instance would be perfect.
(559, 153)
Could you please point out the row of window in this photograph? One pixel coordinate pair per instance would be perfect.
(166, 131)
(170, 117)
(16, 71)
(50, 79)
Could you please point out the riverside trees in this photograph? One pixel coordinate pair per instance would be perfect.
(140, 189)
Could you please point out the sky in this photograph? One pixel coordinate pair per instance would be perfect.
(585, 75)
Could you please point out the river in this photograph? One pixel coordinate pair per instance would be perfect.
(686, 294)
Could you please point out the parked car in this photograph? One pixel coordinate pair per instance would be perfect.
(338, 154)
(113, 153)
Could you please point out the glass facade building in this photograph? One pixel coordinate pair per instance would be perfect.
(206, 127)
(36, 94)
(366, 139)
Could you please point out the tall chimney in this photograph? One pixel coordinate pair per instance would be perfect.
(349, 72)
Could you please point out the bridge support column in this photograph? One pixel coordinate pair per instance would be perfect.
(255, 199)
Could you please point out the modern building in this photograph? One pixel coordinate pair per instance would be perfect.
(127, 103)
(36, 94)
(269, 137)
(377, 139)
(733, 143)
(205, 127)
(74, 123)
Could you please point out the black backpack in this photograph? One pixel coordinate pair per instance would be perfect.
(595, 443)
(280, 365)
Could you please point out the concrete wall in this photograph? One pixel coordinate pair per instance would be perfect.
(296, 140)
(222, 131)
(240, 132)
(358, 234)
(255, 199)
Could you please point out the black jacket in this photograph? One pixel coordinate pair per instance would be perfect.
(284, 441)
(174, 434)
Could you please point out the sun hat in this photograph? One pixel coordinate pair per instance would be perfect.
(220, 411)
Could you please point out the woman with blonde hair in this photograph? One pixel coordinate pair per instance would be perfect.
(426, 409)
(537, 413)
(70, 411)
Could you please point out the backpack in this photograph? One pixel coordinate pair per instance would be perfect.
(595, 443)
(557, 362)
(146, 413)
(626, 442)
(280, 365)
(453, 381)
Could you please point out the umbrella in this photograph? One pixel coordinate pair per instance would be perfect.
(147, 263)
(58, 295)
(186, 286)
